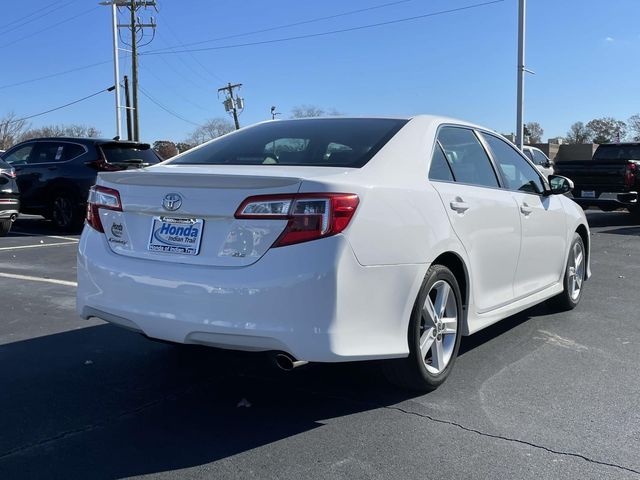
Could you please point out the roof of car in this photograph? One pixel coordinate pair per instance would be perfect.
(79, 139)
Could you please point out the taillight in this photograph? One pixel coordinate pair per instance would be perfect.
(9, 172)
(101, 197)
(310, 215)
(630, 174)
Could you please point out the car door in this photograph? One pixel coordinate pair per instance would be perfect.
(482, 214)
(19, 157)
(41, 168)
(543, 220)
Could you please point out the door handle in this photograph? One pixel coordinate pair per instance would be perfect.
(525, 209)
(459, 205)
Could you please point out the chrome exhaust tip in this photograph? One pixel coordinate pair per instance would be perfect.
(13, 217)
(286, 362)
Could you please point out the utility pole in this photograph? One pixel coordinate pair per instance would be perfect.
(232, 104)
(135, 26)
(116, 65)
(134, 70)
(127, 102)
(522, 69)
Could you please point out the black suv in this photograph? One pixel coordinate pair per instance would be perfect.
(9, 202)
(54, 174)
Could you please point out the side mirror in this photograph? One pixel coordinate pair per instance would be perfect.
(559, 185)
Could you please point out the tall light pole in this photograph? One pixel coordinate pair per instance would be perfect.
(522, 11)
(116, 64)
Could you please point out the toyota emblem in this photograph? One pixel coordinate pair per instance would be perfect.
(172, 202)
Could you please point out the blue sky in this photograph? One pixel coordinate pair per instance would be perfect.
(586, 55)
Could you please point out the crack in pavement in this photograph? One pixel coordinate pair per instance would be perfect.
(484, 434)
(192, 388)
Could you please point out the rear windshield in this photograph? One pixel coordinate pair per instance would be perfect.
(118, 153)
(617, 152)
(330, 142)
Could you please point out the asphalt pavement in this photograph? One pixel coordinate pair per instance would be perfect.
(539, 395)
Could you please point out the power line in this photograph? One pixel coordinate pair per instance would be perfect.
(4, 30)
(4, 45)
(169, 111)
(331, 32)
(52, 75)
(173, 90)
(288, 25)
(62, 106)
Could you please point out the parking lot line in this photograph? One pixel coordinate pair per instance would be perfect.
(15, 276)
(20, 247)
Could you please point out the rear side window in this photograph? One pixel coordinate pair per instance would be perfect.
(327, 142)
(47, 152)
(71, 151)
(617, 152)
(516, 171)
(469, 162)
(129, 154)
(440, 169)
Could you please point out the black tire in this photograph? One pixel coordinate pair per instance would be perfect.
(568, 299)
(5, 227)
(66, 215)
(412, 372)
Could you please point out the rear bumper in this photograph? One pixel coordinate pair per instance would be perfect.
(610, 200)
(9, 208)
(312, 300)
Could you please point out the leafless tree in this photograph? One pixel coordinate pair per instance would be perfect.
(211, 129)
(534, 131)
(308, 111)
(579, 133)
(634, 126)
(11, 130)
(61, 131)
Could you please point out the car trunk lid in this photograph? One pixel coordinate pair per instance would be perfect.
(157, 202)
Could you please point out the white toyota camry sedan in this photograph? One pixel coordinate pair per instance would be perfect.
(331, 240)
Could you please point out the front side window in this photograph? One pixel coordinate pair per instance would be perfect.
(539, 158)
(518, 174)
(468, 159)
(19, 156)
(329, 142)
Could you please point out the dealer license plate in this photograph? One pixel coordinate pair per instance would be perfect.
(176, 235)
(588, 194)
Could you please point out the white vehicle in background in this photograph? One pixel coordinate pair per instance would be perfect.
(539, 159)
(332, 240)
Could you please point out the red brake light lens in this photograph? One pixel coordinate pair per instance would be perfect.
(310, 215)
(101, 197)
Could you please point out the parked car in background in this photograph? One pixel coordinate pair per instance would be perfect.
(539, 159)
(609, 181)
(9, 198)
(54, 174)
(333, 240)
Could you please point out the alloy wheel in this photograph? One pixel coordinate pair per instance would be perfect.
(439, 327)
(62, 211)
(576, 270)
